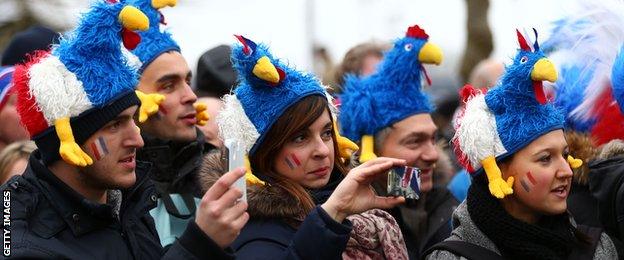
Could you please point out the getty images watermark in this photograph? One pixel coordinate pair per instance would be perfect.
(6, 223)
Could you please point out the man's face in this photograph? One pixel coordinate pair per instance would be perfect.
(113, 150)
(170, 76)
(11, 129)
(413, 140)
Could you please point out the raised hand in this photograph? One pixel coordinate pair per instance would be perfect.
(354, 194)
(219, 215)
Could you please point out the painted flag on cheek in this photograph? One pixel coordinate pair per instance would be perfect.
(527, 182)
(292, 161)
(99, 148)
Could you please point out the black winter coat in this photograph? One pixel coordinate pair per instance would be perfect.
(48, 219)
(606, 183)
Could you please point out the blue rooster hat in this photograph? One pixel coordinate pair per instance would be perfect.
(155, 41)
(391, 94)
(67, 94)
(496, 124)
(266, 88)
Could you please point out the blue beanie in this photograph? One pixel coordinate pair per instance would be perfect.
(154, 41)
(266, 88)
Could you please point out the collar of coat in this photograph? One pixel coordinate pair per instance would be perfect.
(79, 214)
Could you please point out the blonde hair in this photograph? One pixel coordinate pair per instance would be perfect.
(11, 154)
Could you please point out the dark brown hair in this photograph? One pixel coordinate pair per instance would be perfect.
(294, 120)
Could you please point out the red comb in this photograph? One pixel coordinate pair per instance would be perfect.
(416, 32)
(522, 41)
(112, 1)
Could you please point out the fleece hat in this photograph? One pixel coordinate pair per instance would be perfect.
(67, 94)
(266, 88)
(496, 124)
(391, 94)
(6, 83)
(26, 42)
(154, 41)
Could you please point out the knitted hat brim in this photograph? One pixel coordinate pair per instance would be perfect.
(84, 125)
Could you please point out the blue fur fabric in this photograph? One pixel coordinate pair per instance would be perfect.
(570, 86)
(617, 79)
(520, 118)
(93, 52)
(264, 103)
(154, 42)
(390, 95)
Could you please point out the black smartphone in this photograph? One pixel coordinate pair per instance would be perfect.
(404, 181)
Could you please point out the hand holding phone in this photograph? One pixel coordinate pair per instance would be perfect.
(236, 159)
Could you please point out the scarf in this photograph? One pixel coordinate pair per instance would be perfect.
(375, 235)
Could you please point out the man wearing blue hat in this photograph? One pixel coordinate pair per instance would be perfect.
(388, 113)
(173, 143)
(84, 195)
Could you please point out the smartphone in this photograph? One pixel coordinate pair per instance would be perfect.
(235, 159)
(404, 181)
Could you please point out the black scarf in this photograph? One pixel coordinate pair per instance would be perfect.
(551, 238)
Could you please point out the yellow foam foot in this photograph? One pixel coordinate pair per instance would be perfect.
(345, 146)
(368, 144)
(497, 186)
(69, 150)
(574, 163)
(201, 113)
(249, 177)
(149, 104)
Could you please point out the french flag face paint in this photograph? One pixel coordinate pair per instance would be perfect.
(292, 161)
(528, 182)
(99, 148)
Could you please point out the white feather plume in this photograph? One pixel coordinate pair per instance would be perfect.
(234, 123)
(58, 91)
(477, 133)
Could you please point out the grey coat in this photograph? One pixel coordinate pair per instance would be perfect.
(466, 230)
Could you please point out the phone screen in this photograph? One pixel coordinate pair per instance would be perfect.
(404, 181)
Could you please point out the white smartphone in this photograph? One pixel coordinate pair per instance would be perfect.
(236, 159)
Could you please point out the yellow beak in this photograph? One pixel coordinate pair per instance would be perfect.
(133, 19)
(430, 54)
(162, 3)
(544, 70)
(265, 70)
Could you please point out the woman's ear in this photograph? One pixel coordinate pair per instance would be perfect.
(505, 167)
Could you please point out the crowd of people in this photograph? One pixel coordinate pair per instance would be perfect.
(108, 152)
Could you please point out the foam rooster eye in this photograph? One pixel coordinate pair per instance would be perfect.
(524, 59)
(408, 47)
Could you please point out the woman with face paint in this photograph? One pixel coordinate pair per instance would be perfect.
(301, 200)
(511, 140)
